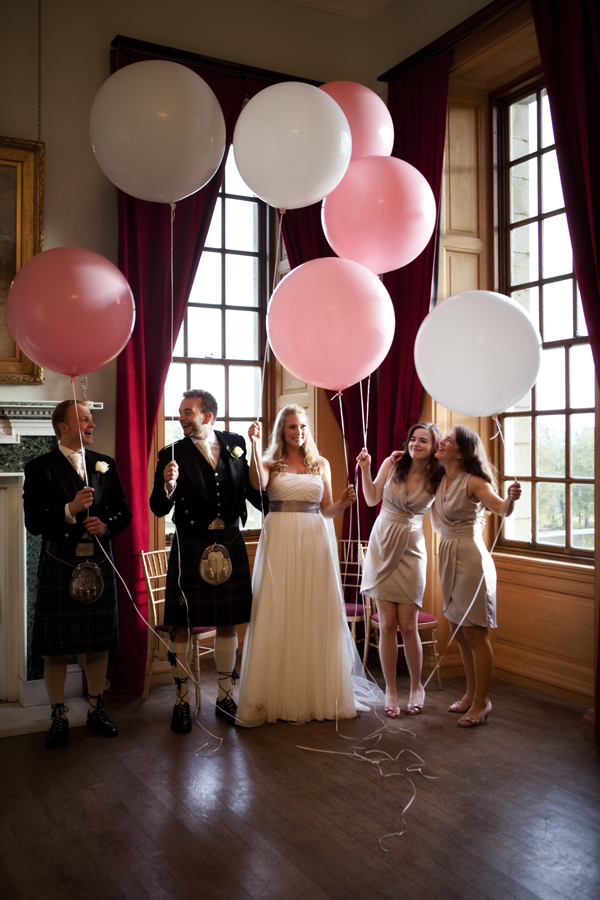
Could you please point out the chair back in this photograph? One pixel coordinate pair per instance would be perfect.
(351, 555)
(154, 564)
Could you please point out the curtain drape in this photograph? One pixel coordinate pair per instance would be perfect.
(569, 40)
(144, 258)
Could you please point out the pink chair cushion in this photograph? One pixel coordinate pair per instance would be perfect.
(354, 609)
(203, 630)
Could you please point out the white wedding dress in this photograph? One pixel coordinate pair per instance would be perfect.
(296, 664)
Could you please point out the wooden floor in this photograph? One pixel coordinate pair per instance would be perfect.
(515, 812)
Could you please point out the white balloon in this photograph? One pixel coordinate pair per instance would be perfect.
(292, 144)
(157, 130)
(477, 353)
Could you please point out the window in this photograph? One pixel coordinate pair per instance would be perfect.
(220, 347)
(549, 434)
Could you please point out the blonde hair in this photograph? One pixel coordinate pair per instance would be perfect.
(275, 453)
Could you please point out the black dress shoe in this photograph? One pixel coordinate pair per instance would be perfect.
(99, 721)
(59, 730)
(226, 708)
(181, 721)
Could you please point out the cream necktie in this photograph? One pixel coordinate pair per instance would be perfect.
(204, 448)
(77, 463)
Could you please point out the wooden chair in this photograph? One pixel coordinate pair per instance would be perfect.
(154, 564)
(351, 556)
(425, 622)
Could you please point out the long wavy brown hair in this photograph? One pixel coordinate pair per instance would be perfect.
(434, 469)
(474, 460)
(275, 453)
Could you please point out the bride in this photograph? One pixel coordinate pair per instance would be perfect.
(296, 663)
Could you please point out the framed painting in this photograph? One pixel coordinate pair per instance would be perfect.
(21, 237)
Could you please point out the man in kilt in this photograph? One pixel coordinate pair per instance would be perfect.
(206, 477)
(78, 511)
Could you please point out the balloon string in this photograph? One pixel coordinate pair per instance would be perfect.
(85, 475)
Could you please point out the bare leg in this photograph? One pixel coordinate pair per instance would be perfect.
(466, 656)
(388, 651)
(226, 643)
(483, 660)
(413, 652)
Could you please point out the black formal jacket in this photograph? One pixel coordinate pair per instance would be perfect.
(193, 507)
(51, 481)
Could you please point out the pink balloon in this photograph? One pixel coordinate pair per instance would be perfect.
(330, 322)
(370, 122)
(70, 310)
(382, 214)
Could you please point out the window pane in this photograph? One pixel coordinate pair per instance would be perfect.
(241, 231)
(175, 385)
(241, 334)
(524, 254)
(558, 311)
(529, 300)
(550, 435)
(582, 445)
(212, 379)
(523, 191)
(557, 254)
(523, 127)
(517, 447)
(241, 280)
(547, 129)
(173, 431)
(550, 387)
(551, 514)
(244, 391)
(213, 238)
(178, 349)
(204, 333)
(234, 183)
(518, 526)
(581, 323)
(207, 283)
(552, 195)
(582, 516)
(582, 376)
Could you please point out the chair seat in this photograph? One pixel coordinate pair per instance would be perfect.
(422, 619)
(354, 609)
(205, 629)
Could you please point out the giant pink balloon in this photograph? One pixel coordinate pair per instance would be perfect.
(330, 322)
(369, 119)
(382, 214)
(70, 310)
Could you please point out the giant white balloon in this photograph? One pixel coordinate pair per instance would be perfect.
(292, 144)
(157, 130)
(477, 353)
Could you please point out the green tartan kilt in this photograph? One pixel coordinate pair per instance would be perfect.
(63, 626)
(229, 603)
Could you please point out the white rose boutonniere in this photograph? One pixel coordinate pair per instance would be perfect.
(101, 467)
(236, 452)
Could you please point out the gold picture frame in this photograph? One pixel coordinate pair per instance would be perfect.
(21, 237)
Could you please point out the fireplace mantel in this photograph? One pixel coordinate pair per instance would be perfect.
(28, 417)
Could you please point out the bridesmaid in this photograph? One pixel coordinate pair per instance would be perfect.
(395, 565)
(466, 568)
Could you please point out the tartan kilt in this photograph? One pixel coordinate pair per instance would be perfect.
(207, 604)
(63, 626)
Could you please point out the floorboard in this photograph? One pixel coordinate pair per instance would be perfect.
(513, 812)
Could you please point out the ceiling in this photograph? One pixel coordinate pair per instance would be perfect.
(354, 9)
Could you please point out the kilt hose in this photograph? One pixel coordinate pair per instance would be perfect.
(207, 604)
(63, 626)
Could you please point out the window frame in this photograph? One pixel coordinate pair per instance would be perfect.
(501, 103)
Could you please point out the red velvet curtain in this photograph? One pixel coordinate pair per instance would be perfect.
(144, 258)
(417, 103)
(569, 40)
